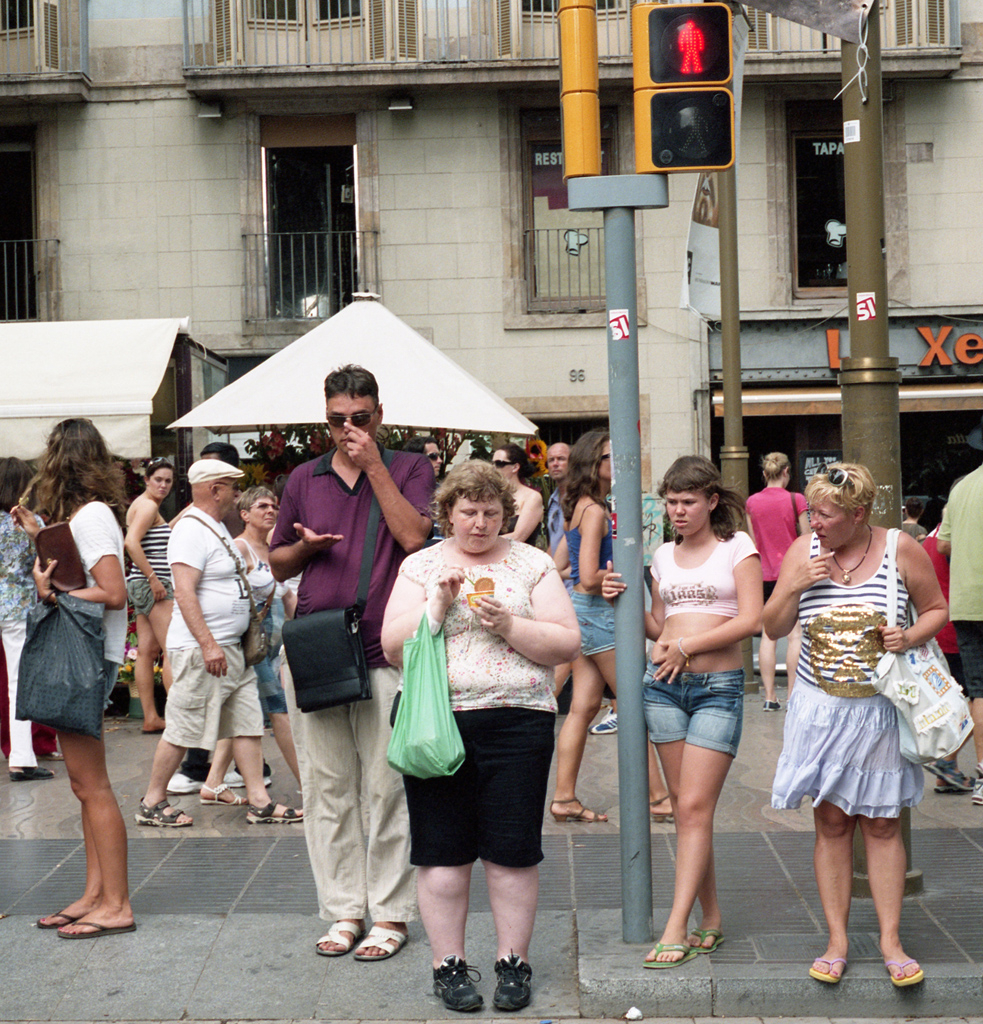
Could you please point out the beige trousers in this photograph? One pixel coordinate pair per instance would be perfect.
(355, 819)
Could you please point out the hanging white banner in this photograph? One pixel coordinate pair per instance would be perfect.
(840, 18)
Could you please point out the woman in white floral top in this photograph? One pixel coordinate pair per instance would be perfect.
(17, 594)
(500, 651)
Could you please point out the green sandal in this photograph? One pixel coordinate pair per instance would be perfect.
(702, 934)
(669, 947)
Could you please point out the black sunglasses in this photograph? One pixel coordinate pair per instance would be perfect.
(501, 463)
(434, 456)
(357, 419)
(838, 477)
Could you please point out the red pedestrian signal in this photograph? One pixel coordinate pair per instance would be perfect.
(683, 66)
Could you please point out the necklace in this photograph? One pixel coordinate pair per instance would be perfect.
(846, 572)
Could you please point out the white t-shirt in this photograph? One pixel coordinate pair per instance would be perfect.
(223, 599)
(97, 534)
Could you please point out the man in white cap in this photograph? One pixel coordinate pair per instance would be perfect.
(214, 694)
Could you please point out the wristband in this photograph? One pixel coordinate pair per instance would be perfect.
(679, 645)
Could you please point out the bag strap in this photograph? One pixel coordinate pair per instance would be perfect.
(234, 555)
(795, 514)
(371, 533)
(892, 577)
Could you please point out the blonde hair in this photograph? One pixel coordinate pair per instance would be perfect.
(476, 481)
(858, 490)
(773, 465)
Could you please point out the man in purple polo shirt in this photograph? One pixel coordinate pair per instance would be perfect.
(321, 533)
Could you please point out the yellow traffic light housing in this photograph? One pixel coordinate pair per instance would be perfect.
(580, 106)
(683, 65)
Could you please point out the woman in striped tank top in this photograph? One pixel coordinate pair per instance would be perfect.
(841, 736)
(148, 585)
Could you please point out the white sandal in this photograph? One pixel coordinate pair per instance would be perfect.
(384, 938)
(339, 934)
(216, 797)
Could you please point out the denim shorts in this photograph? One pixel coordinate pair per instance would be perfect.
(703, 708)
(969, 634)
(596, 619)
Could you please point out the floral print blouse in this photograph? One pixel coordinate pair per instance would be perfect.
(484, 672)
(17, 591)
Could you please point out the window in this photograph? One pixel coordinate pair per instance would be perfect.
(18, 246)
(15, 14)
(819, 225)
(328, 9)
(564, 249)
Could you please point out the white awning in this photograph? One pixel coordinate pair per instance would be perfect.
(419, 386)
(105, 370)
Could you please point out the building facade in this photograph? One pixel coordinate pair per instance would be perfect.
(251, 164)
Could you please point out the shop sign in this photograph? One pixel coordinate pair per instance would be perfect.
(776, 351)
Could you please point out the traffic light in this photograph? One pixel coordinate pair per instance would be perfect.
(683, 67)
(580, 107)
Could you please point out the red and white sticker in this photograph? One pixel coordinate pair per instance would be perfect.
(618, 322)
(866, 306)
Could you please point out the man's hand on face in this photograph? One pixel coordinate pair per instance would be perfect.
(360, 447)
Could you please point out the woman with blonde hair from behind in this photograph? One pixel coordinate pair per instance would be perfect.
(775, 519)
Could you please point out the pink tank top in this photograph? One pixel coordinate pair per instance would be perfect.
(709, 587)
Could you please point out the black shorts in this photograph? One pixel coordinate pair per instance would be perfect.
(492, 807)
(769, 588)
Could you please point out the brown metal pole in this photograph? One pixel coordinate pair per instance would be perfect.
(869, 379)
(733, 452)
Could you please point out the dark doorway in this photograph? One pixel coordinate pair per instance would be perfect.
(18, 300)
(312, 230)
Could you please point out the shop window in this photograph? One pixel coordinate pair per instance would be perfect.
(563, 248)
(819, 200)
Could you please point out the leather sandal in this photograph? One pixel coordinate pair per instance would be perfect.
(584, 814)
(158, 817)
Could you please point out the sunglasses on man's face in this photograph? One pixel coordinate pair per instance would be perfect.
(357, 419)
(501, 463)
(434, 456)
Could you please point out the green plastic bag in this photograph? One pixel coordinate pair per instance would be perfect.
(425, 742)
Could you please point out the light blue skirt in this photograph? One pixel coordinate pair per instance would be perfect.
(844, 750)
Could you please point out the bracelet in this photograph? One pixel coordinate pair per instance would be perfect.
(679, 644)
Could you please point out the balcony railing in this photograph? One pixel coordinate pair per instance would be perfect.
(39, 37)
(565, 270)
(307, 275)
(332, 33)
(28, 274)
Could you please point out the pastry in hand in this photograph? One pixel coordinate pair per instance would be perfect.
(484, 587)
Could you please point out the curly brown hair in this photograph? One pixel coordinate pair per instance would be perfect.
(76, 468)
(697, 475)
(476, 481)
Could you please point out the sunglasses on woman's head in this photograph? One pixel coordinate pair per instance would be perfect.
(838, 477)
(501, 463)
(158, 462)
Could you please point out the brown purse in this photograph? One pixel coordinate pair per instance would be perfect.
(57, 543)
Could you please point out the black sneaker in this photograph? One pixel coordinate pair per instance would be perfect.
(513, 990)
(452, 982)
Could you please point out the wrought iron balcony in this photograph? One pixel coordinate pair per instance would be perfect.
(307, 275)
(28, 276)
(565, 270)
(334, 34)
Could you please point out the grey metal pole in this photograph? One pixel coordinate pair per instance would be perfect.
(619, 196)
(629, 632)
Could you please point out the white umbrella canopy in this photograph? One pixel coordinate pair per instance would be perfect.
(419, 386)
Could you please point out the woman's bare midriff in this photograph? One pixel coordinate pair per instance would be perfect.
(724, 659)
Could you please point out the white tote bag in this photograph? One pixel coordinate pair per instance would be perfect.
(933, 714)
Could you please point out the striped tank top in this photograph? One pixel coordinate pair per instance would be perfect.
(841, 643)
(154, 544)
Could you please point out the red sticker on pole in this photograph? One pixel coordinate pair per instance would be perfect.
(866, 306)
(619, 324)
